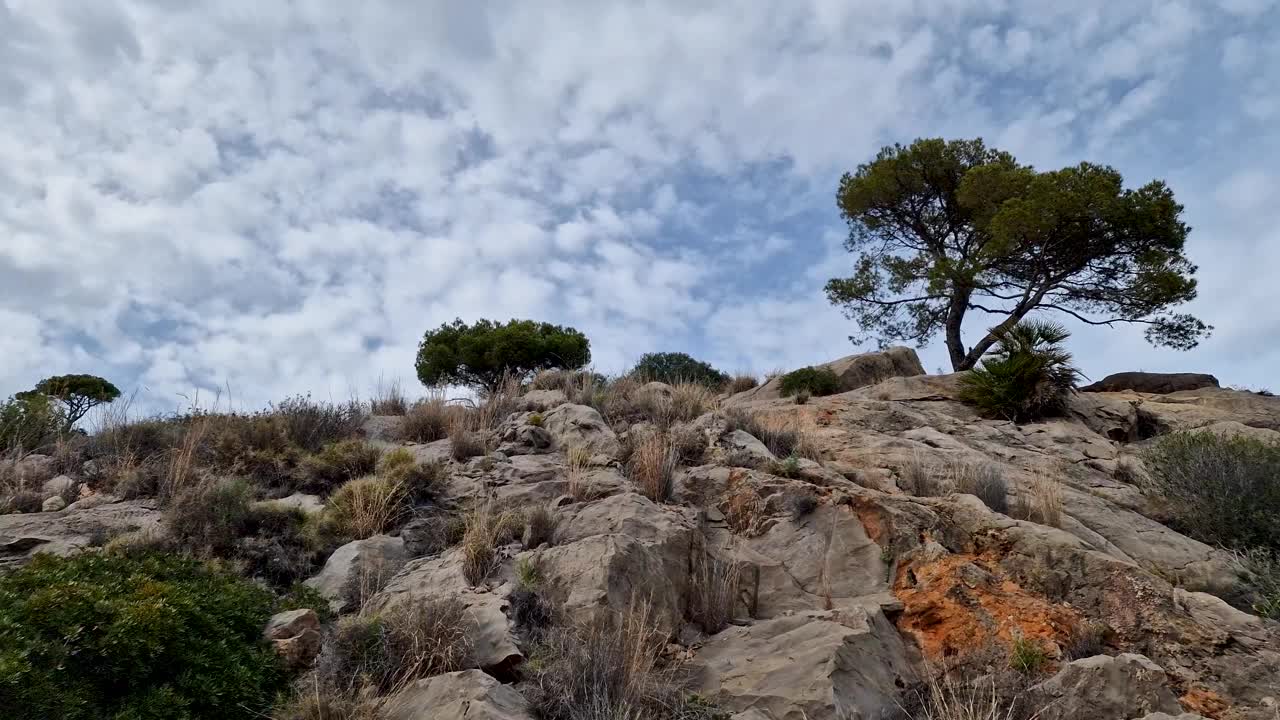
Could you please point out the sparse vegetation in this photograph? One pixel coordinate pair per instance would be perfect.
(1086, 639)
(814, 381)
(1259, 569)
(337, 463)
(743, 383)
(1043, 503)
(539, 526)
(690, 444)
(801, 504)
(1027, 656)
(713, 592)
(366, 506)
(946, 697)
(580, 486)
(781, 440)
(426, 421)
(1220, 490)
(486, 528)
(421, 481)
(983, 480)
(917, 477)
(28, 423)
(605, 667)
(788, 467)
(102, 635)
(652, 466)
(802, 397)
(485, 354)
(1027, 377)
(675, 368)
(388, 399)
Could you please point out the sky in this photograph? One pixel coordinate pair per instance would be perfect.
(250, 200)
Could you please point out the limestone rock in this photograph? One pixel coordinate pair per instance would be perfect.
(1124, 686)
(580, 426)
(53, 504)
(382, 428)
(60, 485)
(358, 564)
(747, 446)
(72, 529)
(854, 371)
(465, 695)
(295, 635)
(1155, 383)
(814, 666)
(1166, 716)
(542, 400)
(440, 578)
(308, 504)
(609, 571)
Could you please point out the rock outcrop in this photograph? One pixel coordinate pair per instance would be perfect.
(1154, 383)
(854, 371)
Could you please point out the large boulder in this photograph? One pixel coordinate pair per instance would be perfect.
(1154, 383)
(582, 427)
(295, 636)
(854, 371)
(78, 526)
(493, 641)
(358, 569)
(811, 666)
(1125, 686)
(465, 695)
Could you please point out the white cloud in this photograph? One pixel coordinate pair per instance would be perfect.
(281, 197)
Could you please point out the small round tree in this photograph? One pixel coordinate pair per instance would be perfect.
(677, 367)
(483, 354)
(78, 394)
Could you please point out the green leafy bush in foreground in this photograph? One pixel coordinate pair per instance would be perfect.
(108, 637)
(1027, 377)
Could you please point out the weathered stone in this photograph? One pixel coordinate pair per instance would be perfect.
(747, 447)
(60, 485)
(854, 371)
(309, 504)
(580, 426)
(290, 623)
(1124, 686)
(465, 695)
(356, 566)
(53, 504)
(814, 666)
(1155, 383)
(382, 428)
(72, 529)
(542, 400)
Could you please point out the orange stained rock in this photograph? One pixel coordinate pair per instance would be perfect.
(1204, 701)
(960, 603)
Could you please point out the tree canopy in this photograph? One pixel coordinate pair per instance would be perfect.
(483, 354)
(78, 394)
(942, 228)
(678, 367)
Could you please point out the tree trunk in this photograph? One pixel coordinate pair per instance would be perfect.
(955, 321)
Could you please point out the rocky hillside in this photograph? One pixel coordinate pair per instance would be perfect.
(824, 560)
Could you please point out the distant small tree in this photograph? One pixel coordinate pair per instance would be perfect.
(78, 394)
(677, 367)
(942, 228)
(482, 354)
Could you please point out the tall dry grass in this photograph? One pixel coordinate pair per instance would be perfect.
(652, 466)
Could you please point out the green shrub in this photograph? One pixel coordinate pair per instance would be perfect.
(1221, 491)
(675, 367)
(254, 446)
(1259, 568)
(337, 463)
(311, 425)
(1027, 377)
(816, 382)
(420, 481)
(209, 518)
(1027, 656)
(100, 635)
(28, 423)
(483, 355)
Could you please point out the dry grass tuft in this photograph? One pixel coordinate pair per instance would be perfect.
(778, 434)
(388, 398)
(607, 668)
(743, 383)
(652, 466)
(947, 698)
(539, 526)
(337, 463)
(580, 485)
(367, 506)
(983, 480)
(743, 508)
(1043, 504)
(917, 477)
(182, 472)
(486, 528)
(713, 591)
(427, 420)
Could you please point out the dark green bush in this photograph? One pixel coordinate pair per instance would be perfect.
(674, 368)
(1222, 491)
(100, 636)
(815, 381)
(209, 518)
(1027, 377)
(482, 355)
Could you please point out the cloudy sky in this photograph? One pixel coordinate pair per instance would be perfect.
(281, 197)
